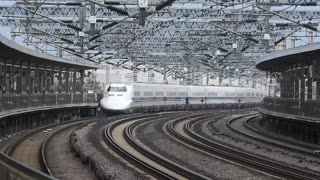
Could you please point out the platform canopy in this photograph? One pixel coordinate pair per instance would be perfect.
(224, 38)
(12, 51)
(279, 61)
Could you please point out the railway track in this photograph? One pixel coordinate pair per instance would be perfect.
(243, 127)
(261, 164)
(119, 135)
(30, 148)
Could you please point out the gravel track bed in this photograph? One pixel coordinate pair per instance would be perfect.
(89, 144)
(62, 161)
(216, 130)
(152, 135)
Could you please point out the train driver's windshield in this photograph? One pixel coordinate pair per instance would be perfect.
(116, 89)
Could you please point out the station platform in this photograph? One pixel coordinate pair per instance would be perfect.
(45, 108)
(289, 116)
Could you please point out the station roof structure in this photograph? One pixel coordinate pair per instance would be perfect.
(11, 50)
(279, 61)
(224, 38)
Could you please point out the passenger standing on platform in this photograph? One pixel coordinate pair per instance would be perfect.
(187, 100)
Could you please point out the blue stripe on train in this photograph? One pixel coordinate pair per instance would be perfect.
(144, 99)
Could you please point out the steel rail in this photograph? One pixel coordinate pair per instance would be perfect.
(307, 146)
(44, 146)
(16, 143)
(259, 163)
(128, 134)
(109, 139)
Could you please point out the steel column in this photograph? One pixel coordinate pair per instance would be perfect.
(60, 81)
(291, 84)
(20, 81)
(52, 79)
(317, 88)
(309, 85)
(28, 79)
(74, 81)
(302, 89)
(296, 84)
(4, 80)
(67, 81)
(37, 81)
(12, 78)
(81, 80)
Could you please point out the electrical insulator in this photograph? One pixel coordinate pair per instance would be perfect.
(234, 45)
(93, 19)
(266, 36)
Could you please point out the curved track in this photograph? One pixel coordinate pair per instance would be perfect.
(245, 128)
(59, 159)
(29, 149)
(119, 136)
(228, 153)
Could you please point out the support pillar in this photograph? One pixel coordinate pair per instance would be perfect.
(282, 86)
(44, 84)
(67, 81)
(52, 79)
(81, 80)
(12, 78)
(207, 83)
(60, 81)
(4, 83)
(20, 81)
(4, 78)
(286, 84)
(317, 88)
(309, 85)
(291, 84)
(28, 79)
(74, 81)
(302, 89)
(296, 84)
(37, 80)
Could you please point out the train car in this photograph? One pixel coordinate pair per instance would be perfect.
(117, 98)
(120, 98)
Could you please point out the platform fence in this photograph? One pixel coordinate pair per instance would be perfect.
(23, 101)
(309, 108)
(11, 169)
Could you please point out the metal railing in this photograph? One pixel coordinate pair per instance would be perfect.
(21, 101)
(310, 108)
(10, 169)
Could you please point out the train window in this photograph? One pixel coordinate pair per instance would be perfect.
(248, 94)
(229, 94)
(137, 93)
(212, 94)
(183, 94)
(148, 93)
(171, 94)
(158, 93)
(198, 94)
(117, 89)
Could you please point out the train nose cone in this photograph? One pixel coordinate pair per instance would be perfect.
(115, 104)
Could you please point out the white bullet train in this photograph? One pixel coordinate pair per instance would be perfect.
(123, 98)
